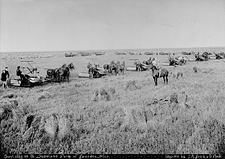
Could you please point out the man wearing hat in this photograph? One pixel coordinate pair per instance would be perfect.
(156, 64)
(20, 74)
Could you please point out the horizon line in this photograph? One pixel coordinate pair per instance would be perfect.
(113, 49)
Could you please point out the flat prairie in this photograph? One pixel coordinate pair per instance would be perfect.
(123, 114)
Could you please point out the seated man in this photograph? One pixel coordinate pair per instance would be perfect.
(21, 75)
(156, 64)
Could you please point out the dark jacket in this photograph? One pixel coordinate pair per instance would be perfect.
(18, 72)
(7, 73)
(3, 76)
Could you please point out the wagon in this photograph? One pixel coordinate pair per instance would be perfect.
(99, 72)
(144, 67)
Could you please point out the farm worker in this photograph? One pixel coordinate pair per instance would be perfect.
(7, 75)
(4, 79)
(19, 73)
(155, 63)
(7, 72)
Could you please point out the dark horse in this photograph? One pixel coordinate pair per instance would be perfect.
(63, 73)
(93, 71)
(220, 55)
(113, 67)
(52, 73)
(157, 73)
(106, 67)
(120, 67)
(137, 63)
(203, 57)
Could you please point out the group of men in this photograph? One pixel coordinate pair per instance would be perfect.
(5, 76)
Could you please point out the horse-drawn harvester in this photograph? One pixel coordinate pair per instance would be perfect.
(30, 76)
(94, 70)
(138, 66)
(220, 55)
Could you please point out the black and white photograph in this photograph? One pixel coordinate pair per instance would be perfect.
(112, 77)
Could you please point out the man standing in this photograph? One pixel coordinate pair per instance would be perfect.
(4, 79)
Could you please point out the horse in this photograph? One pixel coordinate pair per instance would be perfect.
(157, 73)
(203, 57)
(220, 55)
(120, 67)
(63, 72)
(138, 65)
(172, 61)
(51, 73)
(113, 67)
(64, 66)
(93, 70)
(185, 59)
(106, 67)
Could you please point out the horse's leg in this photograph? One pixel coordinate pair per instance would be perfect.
(167, 79)
(164, 79)
(155, 81)
(90, 75)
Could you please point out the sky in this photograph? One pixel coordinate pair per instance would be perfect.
(59, 25)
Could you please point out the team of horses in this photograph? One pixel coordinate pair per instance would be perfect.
(118, 68)
(180, 60)
(60, 74)
(142, 66)
(203, 57)
(115, 67)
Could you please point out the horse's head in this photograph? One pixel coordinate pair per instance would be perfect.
(71, 66)
(64, 66)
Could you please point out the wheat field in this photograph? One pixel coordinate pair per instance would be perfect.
(123, 114)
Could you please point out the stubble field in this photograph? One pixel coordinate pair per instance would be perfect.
(117, 114)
